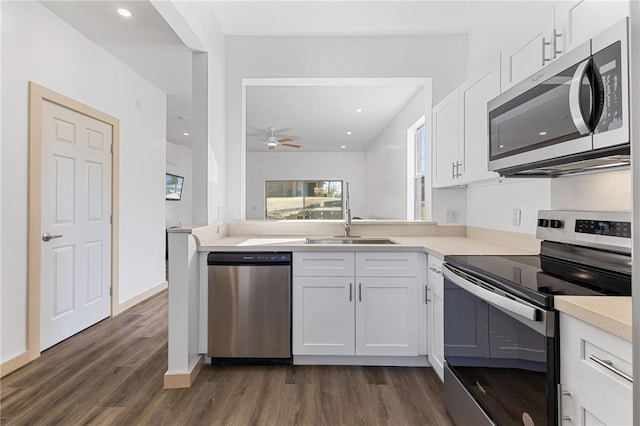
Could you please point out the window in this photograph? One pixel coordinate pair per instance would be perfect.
(419, 169)
(303, 199)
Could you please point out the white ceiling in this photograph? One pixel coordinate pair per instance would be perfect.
(148, 45)
(319, 117)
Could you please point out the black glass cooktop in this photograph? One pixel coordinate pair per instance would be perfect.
(539, 278)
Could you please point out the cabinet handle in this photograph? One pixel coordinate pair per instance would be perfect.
(562, 417)
(360, 292)
(350, 292)
(453, 170)
(556, 52)
(459, 174)
(608, 364)
(427, 299)
(545, 43)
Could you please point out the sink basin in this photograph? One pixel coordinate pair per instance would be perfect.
(352, 240)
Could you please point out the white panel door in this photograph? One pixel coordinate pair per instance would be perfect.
(387, 316)
(76, 208)
(323, 316)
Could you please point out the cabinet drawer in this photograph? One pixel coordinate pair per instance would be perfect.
(384, 264)
(582, 404)
(323, 264)
(598, 358)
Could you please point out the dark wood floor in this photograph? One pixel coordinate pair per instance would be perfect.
(112, 373)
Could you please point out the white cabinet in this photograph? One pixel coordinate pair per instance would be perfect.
(446, 139)
(474, 95)
(435, 315)
(595, 375)
(578, 21)
(370, 309)
(535, 45)
(323, 320)
(460, 136)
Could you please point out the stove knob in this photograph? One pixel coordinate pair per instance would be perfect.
(543, 223)
(555, 223)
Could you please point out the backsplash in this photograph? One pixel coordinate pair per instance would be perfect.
(608, 191)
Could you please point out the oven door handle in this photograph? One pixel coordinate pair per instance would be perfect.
(488, 296)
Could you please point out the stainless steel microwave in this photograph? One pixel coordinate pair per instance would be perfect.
(571, 116)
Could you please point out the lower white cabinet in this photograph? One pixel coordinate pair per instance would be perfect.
(350, 314)
(595, 373)
(435, 315)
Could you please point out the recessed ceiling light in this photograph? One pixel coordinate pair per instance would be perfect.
(348, 133)
(343, 146)
(358, 109)
(124, 12)
(186, 133)
(542, 133)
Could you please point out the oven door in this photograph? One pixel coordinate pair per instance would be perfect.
(501, 350)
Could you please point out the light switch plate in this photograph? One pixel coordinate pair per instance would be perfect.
(516, 217)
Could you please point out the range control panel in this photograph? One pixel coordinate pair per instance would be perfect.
(598, 229)
(604, 227)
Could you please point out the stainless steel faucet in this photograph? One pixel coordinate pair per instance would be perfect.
(347, 219)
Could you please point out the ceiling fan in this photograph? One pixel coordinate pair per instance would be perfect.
(272, 142)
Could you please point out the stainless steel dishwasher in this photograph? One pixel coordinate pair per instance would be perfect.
(249, 318)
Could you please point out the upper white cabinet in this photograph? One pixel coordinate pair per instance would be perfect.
(460, 137)
(535, 45)
(474, 94)
(446, 140)
(364, 303)
(578, 21)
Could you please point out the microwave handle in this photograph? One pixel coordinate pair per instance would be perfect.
(574, 98)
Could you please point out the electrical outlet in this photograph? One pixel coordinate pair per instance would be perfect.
(451, 215)
(516, 217)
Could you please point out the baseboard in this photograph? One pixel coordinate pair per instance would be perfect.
(19, 361)
(127, 304)
(392, 361)
(183, 380)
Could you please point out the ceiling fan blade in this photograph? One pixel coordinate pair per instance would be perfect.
(285, 140)
(271, 147)
(291, 145)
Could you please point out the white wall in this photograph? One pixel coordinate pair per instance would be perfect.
(39, 46)
(442, 58)
(198, 28)
(346, 166)
(178, 213)
(610, 191)
(386, 196)
(491, 205)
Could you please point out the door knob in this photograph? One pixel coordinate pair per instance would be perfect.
(47, 236)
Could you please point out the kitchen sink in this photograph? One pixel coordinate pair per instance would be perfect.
(349, 240)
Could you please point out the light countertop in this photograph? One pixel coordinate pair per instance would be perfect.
(609, 313)
(435, 246)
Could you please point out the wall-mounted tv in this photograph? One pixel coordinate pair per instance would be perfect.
(173, 187)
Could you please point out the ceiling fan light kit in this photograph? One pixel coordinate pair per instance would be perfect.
(272, 142)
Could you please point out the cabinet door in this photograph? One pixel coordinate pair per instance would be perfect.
(578, 21)
(529, 51)
(387, 316)
(474, 95)
(435, 309)
(323, 316)
(445, 141)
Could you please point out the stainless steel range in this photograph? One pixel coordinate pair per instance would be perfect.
(501, 332)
